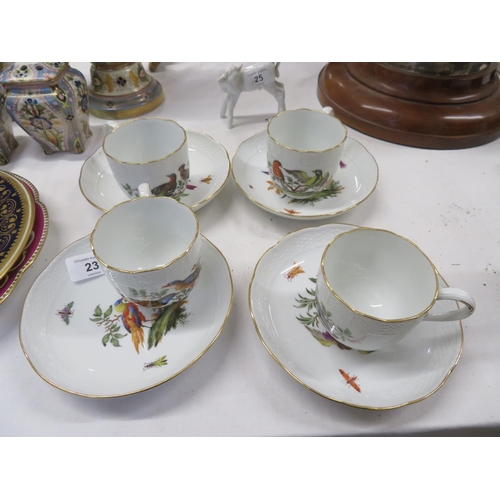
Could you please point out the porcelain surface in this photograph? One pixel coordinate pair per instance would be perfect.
(76, 335)
(281, 301)
(149, 150)
(151, 259)
(209, 171)
(375, 286)
(354, 182)
(304, 149)
(17, 215)
(38, 235)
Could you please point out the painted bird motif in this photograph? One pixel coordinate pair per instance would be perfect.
(189, 282)
(277, 170)
(307, 181)
(184, 172)
(166, 189)
(132, 320)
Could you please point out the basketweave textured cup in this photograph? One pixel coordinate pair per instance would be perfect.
(304, 148)
(374, 286)
(149, 249)
(148, 150)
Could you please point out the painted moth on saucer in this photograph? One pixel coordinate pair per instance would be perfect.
(65, 313)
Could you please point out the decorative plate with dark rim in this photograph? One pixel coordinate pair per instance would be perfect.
(35, 243)
(17, 215)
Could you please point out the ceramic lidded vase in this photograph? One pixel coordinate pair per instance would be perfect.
(7, 140)
(49, 101)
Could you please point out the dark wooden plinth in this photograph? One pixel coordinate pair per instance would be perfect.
(436, 112)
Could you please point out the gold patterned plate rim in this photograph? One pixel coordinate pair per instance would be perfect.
(27, 208)
(34, 247)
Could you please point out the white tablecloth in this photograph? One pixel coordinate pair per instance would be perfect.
(445, 201)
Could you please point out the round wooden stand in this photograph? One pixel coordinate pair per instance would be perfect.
(415, 107)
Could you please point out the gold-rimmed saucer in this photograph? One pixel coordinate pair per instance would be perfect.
(76, 336)
(355, 181)
(209, 171)
(282, 304)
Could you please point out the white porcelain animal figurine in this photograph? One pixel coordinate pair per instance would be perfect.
(236, 79)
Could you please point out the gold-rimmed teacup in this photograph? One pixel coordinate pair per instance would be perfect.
(374, 286)
(304, 148)
(149, 150)
(149, 249)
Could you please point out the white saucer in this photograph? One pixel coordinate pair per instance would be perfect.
(209, 166)
(65, 329)
(409, 372)
(358, 176)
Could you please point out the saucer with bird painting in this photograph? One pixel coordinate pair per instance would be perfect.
(209, 168)
(354, 182)
(283, 309)
(83, 339)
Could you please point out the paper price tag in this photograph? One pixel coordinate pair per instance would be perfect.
(82, 267)
(257, 76)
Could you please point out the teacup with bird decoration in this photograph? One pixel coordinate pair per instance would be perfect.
(374, 286)
(149, 249)
(304, 147)
(150, 150)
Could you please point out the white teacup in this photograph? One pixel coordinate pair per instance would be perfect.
(149, 249)
(148, 150)
(373, 287)
(303, 150)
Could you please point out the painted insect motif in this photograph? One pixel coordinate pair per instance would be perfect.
(294, 271)
(65, 313)
(207, 180)
(162, 361)
(291, 212)
(350, 380)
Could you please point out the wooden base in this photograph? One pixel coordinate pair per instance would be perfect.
(436, 112)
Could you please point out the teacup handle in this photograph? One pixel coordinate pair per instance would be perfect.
(456, 314)
(144, 190)
(328, 110)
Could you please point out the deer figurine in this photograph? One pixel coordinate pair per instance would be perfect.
(237, 79)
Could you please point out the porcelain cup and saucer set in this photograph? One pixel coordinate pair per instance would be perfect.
(155, 293)
(200, 173)
(358, 315)
(304, 166)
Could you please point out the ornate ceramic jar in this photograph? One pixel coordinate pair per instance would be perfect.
(49, 101)
(7, 141)
(121, 90)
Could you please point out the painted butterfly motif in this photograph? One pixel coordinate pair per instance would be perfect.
(350, 380)
(65, 313)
